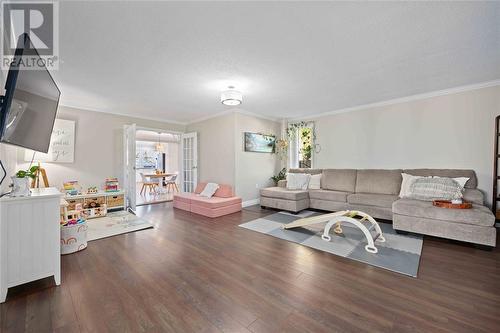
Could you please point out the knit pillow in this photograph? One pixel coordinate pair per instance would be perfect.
(429, 189)
(297, 181)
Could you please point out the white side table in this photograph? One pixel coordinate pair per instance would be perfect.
(29, 239)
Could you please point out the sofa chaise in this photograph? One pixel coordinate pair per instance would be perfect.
(222, 203)
(376, 192)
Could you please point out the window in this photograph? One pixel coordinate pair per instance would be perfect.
(305, 147)
(301, 145)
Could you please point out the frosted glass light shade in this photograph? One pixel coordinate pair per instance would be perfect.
(231, 97)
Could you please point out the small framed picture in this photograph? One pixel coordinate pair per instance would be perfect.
(259, 143)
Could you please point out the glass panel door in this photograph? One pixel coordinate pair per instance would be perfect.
(189, 162)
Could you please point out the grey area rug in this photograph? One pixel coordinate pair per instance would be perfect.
(399, 253)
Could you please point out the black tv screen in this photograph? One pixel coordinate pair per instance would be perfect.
(29, 107)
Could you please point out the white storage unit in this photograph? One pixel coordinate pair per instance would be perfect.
(113, 200)
(29, 239)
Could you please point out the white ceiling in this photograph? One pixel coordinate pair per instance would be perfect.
(170, 60)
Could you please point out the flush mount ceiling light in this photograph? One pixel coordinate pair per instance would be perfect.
(231, 97)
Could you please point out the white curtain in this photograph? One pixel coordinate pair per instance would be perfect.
(293, 151)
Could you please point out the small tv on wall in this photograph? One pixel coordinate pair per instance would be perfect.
(259, 143)
(28, 109)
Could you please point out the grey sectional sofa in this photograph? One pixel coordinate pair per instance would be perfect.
(376, 192)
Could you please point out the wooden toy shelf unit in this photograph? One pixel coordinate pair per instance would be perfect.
(112, 200)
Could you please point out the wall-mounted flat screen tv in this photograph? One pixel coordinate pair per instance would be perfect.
(259, 143)
(28, 109)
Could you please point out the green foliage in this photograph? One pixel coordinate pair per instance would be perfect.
(280, 176)
(31, 172)
(306, 143)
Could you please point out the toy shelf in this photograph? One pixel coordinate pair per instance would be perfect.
(113, 200)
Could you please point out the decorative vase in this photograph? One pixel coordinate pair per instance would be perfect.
(21, 187)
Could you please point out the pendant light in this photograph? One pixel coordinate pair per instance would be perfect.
(159, 146)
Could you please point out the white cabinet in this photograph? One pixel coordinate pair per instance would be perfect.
(29, 239)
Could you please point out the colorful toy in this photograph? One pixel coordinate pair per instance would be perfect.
(90, 213)
(72, 187)
(111, 185)
(92, 190)
(74, 217)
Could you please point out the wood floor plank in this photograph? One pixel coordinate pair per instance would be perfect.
(195, 274)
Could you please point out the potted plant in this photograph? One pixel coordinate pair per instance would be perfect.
(280, 176)
(21, 182)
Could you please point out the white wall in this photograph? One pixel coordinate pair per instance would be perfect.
(98, 147)
(451, 131)
(222, 158)
(216, 157)
(253, 170)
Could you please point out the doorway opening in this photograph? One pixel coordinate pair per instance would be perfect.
(156, 166)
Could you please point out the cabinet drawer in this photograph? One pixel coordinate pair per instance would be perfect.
(115, 201)
(94, 202)
(73, 202)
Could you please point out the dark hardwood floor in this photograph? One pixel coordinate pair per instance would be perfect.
(193, 274)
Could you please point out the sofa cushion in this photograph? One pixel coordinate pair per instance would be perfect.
(451, 173)
(214, 202)
(184, 196)
(379, 181)
(473, 195)
(343, 180)
(283, 193)
(329, 195)
(216, 212)
(477, 215)
(224, 191)
(306, 170)
(199, 187)
(371, 199)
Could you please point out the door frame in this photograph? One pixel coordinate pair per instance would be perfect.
(128, 175)
(179, 157)
(144, 128)
(194, 160)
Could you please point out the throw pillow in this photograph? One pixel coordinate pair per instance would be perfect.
(429, 189)
(460, 180)
(315, 182)
(408, 180)
(209, 190)
(297, 181)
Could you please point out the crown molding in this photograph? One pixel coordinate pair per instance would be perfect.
(218, 114)
(417, 97)
(256, 115)
(410, 98)
(234, 111)
(163, 120)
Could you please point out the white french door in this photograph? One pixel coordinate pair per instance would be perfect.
(189, 161)
(129, 166)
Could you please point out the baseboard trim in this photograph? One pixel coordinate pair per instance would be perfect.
(250, 203)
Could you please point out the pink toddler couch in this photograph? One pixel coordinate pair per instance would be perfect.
(223, 202)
